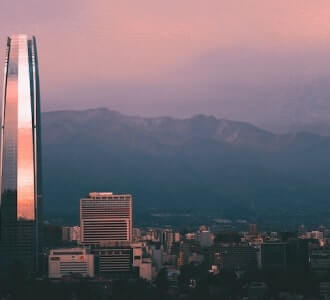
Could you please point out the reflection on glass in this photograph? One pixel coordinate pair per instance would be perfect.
(20, 152)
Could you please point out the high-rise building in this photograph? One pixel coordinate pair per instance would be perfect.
(167, 239)
(105, 218)
(106, 226)
(274, 256)
(20, 177)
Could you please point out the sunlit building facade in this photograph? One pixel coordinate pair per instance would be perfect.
(70, 262)
(20, 201)
(106, 218)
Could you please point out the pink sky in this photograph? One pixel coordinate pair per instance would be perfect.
(239, 59)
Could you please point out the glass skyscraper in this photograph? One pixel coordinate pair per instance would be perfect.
(21, 195)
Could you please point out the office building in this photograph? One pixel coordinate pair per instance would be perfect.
(205, 238)
(137, 254)
(21, 194)
(105, 217)
(106, 226)
(146, 270)
(136, 234)
(186, 248)
(177, 237)
(113, 260)
(320, 260)
(70, 262)
(167, 239)
(274, 256)
(71, 233)
(325, 290)
(257, 291)
(298, 254)
(157, 253)
(253, 229)
(238, 258)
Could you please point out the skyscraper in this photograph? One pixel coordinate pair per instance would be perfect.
(20, 177)
(105, 217)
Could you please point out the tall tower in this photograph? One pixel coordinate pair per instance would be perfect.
(20, 156)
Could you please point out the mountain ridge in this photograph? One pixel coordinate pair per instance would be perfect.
(195, 162)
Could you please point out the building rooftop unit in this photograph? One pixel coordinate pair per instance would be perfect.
(101, 195)
(69, 251)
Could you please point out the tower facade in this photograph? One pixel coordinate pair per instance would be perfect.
(20, 155)
(106, 218)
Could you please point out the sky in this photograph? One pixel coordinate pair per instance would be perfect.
(252, 60)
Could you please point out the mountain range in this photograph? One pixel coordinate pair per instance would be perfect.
(195, 164)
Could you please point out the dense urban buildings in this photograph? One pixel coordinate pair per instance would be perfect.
(106, 258)
(21, 193)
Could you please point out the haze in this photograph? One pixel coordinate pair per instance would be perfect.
(266, 62)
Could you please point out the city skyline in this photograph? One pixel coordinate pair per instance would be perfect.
(212, 115)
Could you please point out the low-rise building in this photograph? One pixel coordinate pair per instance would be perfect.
(113, 260)
(233, 258)
(146, 269)
(70, 262)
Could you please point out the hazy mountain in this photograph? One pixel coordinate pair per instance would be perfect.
(301, 107)
(198, 163)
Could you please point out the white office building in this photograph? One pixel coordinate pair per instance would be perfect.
(70, 262)
(105, 217)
